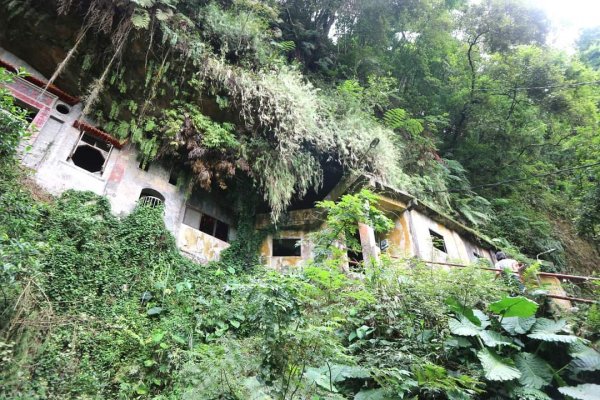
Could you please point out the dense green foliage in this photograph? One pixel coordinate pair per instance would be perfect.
(460, 95)
(96, 307)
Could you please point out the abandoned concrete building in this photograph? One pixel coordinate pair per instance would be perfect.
(68, 152)
(420, 231)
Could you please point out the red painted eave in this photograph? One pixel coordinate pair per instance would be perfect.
(92, 130)
(64, 96)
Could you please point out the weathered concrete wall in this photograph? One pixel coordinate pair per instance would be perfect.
(121, 181)
(126, 182)
(284, 264)
(214, 204)
(552, 284)
(400, 238)
(455, 248)
(200, 245)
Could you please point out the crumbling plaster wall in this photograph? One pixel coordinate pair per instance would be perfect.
(457, 248)
(126, 181)
(284, 264)
(53, 139)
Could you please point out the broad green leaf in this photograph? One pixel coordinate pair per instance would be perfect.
(463, 327)
(457, 394)
(340, 373)
(520, 392)
(316, 376)
(158, 336)
(457, 341)
(514, 307)
(535, 372)
(484, 319)
(587, 391)
(372, 394)
(517, 326)
(546, 330)
(256, 390)
(145, 3)
(584, 358)
(149, 363)
(496, 368)
(179, 339)
(455, 306)
(493, 339)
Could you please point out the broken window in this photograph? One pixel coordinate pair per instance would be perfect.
(30, 111)
(355, 254)
(144, 165)
(286, 247)
(438, 241)
(206, 223)
(90, 153)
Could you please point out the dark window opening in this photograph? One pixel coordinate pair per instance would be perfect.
(63, 108)
(206, 223)
(90, 153)
(355, 254)
(88, 158)
(438, 241)
(173, 176)
(100, 144)
(144, 165)
(151, 197)
(286, 248)
(222, 231)
(30, 111)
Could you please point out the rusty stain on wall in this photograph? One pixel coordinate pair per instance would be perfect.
(200, 244)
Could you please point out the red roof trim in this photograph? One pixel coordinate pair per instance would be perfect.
(92, 130)
(64, 96)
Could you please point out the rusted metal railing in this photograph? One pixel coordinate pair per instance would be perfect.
(560, 276)
(150, 201)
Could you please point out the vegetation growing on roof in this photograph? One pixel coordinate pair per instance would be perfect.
(300, 85)
(472, 112)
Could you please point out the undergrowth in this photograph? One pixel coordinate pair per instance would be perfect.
(100, 307)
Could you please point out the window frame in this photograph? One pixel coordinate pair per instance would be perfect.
(297, 246)
(435, 241)
(105, 153)
(214, 227)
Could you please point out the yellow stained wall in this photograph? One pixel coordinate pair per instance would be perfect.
(400, 241)
(284, 263)
(200, 244)
(406, 241)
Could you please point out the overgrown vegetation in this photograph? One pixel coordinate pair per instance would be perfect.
(458, 95)
(105, 308)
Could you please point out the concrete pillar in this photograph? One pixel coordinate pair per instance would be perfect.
(367, 241)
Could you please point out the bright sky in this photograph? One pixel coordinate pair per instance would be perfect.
(568, 18)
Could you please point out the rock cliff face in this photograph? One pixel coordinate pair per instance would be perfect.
(43, 40)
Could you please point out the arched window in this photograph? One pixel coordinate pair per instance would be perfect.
(151, 197)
